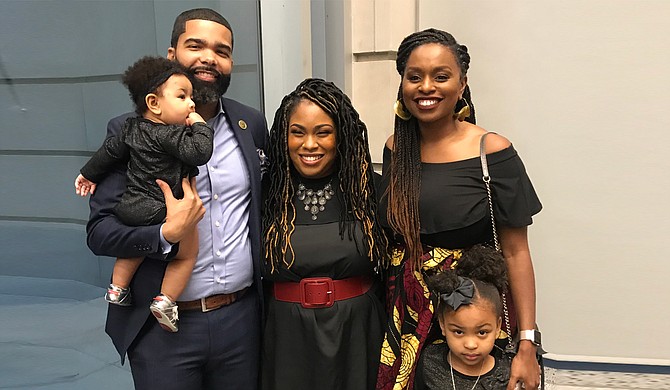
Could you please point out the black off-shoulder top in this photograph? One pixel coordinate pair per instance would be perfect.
(453, 205)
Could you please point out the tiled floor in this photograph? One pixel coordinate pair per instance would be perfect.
(52, 338)
(598, 380)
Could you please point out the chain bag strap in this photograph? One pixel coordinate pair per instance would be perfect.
(511, 346)
(487, 182)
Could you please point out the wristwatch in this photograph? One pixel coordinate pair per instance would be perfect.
(533, 335)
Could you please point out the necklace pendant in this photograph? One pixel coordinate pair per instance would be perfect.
(451, 371)
(301, 192)
(314, 200)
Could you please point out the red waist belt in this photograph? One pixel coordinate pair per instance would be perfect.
(313, 293)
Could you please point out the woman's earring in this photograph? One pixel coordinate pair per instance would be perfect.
(399, 110)
(464, 112)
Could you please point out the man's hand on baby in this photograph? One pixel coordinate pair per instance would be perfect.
(83, 186)
(183, 214)
(194, 117)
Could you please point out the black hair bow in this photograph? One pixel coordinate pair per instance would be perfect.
(462, 295)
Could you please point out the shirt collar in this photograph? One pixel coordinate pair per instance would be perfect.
(220, 109)
(219, 120)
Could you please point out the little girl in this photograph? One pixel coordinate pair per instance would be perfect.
(168, 142)
(469, 310)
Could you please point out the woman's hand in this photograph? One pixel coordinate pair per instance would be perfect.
(514, 242)
(525, 373)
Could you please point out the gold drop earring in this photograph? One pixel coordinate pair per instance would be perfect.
(464, 112)
(399, 109)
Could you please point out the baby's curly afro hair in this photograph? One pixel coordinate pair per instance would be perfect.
(146, 76)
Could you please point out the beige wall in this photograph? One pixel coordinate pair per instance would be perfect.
(286, 49)
(378, 27)
(581, 89)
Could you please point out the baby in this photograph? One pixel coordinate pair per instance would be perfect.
(167, 142)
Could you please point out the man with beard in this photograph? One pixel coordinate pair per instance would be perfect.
(218, 342)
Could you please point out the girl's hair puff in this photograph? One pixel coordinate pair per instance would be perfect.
(485, 267)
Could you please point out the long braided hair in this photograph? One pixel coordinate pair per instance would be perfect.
(354, 170)
(405, 179)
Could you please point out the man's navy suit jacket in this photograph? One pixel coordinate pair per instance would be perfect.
(107, 236)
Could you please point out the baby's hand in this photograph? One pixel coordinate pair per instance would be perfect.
(194, 117)
(83, 186)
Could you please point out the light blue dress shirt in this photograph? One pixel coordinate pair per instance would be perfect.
(224, 263)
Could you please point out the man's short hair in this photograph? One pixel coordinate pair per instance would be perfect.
(197, 14)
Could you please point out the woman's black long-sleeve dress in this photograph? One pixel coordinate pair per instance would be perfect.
(334, 347)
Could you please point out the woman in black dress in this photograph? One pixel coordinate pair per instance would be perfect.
(436, 203)
(323, 245)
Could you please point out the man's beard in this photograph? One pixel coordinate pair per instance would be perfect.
(209, 92)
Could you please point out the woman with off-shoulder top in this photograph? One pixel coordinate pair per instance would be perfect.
(434, 203)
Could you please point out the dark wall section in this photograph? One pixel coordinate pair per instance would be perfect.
(60, 66)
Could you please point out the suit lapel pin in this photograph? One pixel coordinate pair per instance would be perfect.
(242, 124)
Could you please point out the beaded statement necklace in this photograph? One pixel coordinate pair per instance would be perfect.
(315, 201)
(451, 370)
